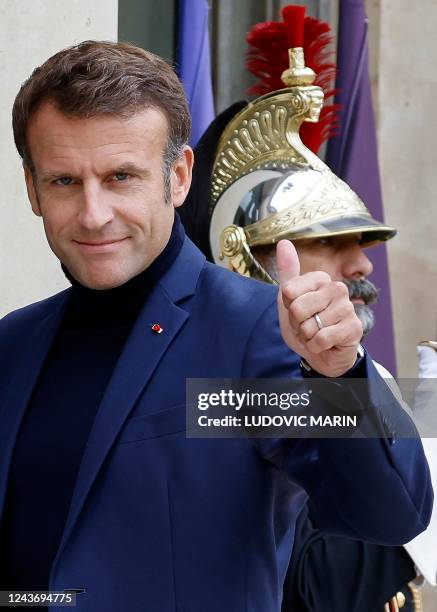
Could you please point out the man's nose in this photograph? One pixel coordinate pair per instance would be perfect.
(356, 264)
(95, 208)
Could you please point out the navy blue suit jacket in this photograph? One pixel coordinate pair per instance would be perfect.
(162, 523)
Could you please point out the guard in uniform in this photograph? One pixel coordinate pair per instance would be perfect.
(255, 183)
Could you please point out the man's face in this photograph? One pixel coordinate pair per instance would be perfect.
(343, 258)
(98, 185)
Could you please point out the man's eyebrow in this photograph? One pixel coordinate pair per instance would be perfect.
(130, 168)
(46, 177)
(126, 168)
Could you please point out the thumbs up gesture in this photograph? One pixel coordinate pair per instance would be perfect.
(316, 316)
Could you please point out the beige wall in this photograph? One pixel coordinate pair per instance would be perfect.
(404, 75)
(31, 31)
(403, 61)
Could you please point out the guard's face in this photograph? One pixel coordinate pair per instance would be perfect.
(99, 187)
(343, 258)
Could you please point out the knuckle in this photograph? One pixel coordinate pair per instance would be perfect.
(297, 311)
(286, 290)
(348, 308)
(326, 341)
(341, 289)
(289, 284)
(358, 327)
(284, 298)
(341, 286)
(323, 277)
(322, 339)
(289, 288)
(354, 329)
(306, 331)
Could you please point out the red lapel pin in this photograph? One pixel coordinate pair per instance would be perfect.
(157, 329)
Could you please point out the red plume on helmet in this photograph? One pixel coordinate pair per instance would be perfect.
(267, 59)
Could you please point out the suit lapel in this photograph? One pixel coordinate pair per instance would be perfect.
(139, 359)
(22, 384)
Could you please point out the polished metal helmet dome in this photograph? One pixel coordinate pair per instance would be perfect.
(267, 185)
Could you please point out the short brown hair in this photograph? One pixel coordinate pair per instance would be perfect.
(95, 78)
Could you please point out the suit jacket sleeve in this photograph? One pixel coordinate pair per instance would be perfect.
(377, 489)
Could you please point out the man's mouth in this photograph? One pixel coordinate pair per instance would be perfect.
(361, 292)
(99, 245)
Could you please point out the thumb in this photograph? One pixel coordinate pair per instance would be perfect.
(287, 261)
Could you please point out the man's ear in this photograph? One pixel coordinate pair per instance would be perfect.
(181, 176)
(31, 190)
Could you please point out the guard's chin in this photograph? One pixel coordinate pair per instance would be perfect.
(366, 316)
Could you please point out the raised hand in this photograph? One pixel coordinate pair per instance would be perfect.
(316, 316)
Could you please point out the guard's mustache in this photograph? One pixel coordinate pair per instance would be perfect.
(362, 290)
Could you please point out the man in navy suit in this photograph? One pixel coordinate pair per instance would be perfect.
(100, 490)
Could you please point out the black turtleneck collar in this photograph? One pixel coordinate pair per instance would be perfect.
(120, 305)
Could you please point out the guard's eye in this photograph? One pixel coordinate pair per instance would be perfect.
(121, 177)
(324, 241)
(63, 180)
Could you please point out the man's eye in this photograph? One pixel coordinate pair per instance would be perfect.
(121, 176)
(64, 180)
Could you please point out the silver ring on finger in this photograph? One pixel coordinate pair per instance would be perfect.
(318, 321)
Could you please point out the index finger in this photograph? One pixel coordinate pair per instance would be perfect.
(300, 285)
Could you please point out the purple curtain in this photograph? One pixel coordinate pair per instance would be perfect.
(194, 65)
(352, 155)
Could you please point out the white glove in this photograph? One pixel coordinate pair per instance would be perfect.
(427, 362)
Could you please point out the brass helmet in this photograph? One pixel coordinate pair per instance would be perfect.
(267, 185)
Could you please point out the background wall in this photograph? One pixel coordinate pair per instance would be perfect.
(403, 52)
(149, 24)
(404, 74)
(31, 31)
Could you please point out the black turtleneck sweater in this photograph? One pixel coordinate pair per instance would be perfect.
(59, 418)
